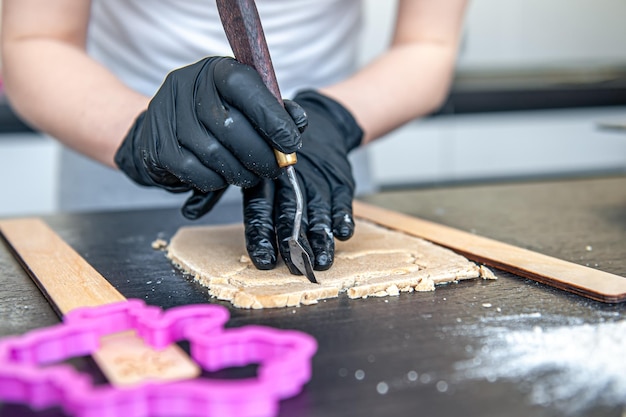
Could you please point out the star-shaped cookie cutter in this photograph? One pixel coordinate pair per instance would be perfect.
(283, 358)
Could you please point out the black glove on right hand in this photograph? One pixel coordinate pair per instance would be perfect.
(210, 125)
(327, 184)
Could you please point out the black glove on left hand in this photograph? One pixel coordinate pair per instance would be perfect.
(325, 176)
(211, 124)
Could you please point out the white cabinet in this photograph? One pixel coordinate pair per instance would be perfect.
(28, 167)
(492, 146)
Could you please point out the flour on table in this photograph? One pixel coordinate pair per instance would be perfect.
(375, 262)
(570, 367)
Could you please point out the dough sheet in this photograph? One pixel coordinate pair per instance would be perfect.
(375, 262)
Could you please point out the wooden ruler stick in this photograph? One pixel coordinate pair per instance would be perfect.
(568, 276)
(64, 277)
(68, 282)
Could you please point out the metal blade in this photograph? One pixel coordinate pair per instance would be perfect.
(299, 257)
(301, 260)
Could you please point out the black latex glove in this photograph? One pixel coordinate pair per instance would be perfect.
(327, 184)
(210, 125)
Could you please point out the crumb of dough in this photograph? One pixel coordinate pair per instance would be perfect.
(159, 244)
(425, 284)
(393, 290)
(486, 273)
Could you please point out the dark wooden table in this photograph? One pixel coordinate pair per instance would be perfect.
(436, 353)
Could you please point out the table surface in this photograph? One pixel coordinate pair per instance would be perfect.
(476, 348)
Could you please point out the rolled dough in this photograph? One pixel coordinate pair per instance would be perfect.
(375, 262)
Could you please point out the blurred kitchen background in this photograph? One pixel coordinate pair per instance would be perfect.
(540, 92)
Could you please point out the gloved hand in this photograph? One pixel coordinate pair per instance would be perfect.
(327, 184)
(211, 124)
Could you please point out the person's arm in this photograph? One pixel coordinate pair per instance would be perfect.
(211, 124)
(412, 78)
(55, 86)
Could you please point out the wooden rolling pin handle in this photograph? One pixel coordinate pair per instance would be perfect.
(250, 48)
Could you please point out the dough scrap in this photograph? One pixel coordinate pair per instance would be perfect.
(487, 273)
(375, 262)
(159, 244)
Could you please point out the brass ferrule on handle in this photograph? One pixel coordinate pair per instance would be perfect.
(285, 159)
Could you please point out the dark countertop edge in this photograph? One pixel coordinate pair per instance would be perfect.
(486, 101)
(10, 123)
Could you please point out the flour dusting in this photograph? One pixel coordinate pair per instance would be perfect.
(571, 367)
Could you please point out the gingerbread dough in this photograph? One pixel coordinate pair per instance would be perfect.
(375, 262)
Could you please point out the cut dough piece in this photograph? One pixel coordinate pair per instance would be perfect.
(375, 262)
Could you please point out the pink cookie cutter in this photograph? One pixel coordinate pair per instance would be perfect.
(283, 358)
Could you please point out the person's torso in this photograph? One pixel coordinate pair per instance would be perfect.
(313, 42)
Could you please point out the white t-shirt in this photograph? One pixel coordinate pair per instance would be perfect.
(313, 43)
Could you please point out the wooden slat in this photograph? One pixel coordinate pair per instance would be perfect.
(568, 276)
(69, 282)
(61, 273)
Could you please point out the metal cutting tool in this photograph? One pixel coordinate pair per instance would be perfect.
(242, 25)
